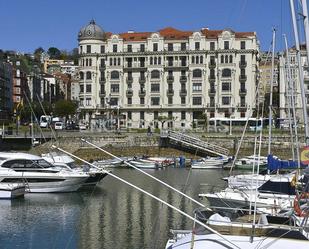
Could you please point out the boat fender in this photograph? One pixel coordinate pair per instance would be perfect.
(299, 212)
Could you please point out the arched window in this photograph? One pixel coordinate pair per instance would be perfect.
(197, 73)
(155, 60)
(119, 61)
(201, 59)
(114, 75)
(81, 75)
(83, 62)
(226, 59)
(115, 61)
(231, 59)
(159, 60)
(155, 74)
(192, 59)
(226, 72)
(90, 62)
(197, 60)
(222, 59)
(151, 60)
(88, 75)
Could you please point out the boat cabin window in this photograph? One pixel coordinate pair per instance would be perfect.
(21, 163)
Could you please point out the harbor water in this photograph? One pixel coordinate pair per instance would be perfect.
(110, 215)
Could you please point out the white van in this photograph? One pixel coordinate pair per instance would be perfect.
(59, 126)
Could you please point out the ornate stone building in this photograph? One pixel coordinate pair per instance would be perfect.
(180, 75)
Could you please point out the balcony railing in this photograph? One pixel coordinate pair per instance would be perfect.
(242, 77)
(170, 92)
(243, 91)
(129, 79)
(212, 64)
(142, 80)
(102, 93)
(183, 78)
(242, 64)
(211, 78)
(183, 92)
(170, 79)
(129, 92)
(102, 80)
(212, 91)
(142, 92)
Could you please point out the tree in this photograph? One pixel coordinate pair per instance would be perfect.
(54, 53)
(64, 108)
(162, 120)
(37, 53)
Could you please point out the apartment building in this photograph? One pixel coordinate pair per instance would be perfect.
(180, 75)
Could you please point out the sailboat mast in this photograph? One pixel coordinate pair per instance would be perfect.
(291, 91)
(306, 27)
(271, 91)
(300, 72)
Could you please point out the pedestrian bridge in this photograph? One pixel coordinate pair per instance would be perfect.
(191, 142)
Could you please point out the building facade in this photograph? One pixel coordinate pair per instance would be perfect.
(6, 90)
(182, 76)
(285, 90)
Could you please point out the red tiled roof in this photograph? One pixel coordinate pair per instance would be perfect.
(136, 36)
(171, 33)
(174, 34)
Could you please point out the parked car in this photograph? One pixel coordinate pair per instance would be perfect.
(59, 126)
(82, 127)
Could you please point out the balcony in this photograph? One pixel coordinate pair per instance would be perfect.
(212, 64)
(142, 92)
(242, 91)
(242, 106)
(102, 93)
(242, 64)
(170, 92)
(142, 80)
(102, 66)
(129, 80)
(211, 105)
(211, 91)
(183, 79)
(170, 79)
(242, 78)
(129, 92)
(183, 92)
(102, 80)
(212, 78)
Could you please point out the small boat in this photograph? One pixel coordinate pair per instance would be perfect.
(247, 162)
(145, 164)
(208, 163)
(165, 161)
(11, 190)
(111, 163)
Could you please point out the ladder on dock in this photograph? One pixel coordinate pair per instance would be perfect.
(195, 143)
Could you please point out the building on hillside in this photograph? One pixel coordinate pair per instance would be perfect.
(6, 90)
(20, 83)
(51, 63)
(284, 88)
(68, 67)
(64, 83)
(180, 75)
(75, 90)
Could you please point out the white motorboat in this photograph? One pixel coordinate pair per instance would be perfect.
(202, 240)
(207, 163)
(145, 164)
(63, 160)
(38, 174)
(247, 162)
(11, 190)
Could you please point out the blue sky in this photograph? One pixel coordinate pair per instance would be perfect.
(26, 25)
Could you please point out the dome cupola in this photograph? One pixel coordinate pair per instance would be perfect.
(91, 32)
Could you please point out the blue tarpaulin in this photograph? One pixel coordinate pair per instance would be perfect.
(274, 163)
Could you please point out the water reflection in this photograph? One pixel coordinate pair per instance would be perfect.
(111, 215)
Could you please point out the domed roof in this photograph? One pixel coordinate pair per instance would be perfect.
(91, 32)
